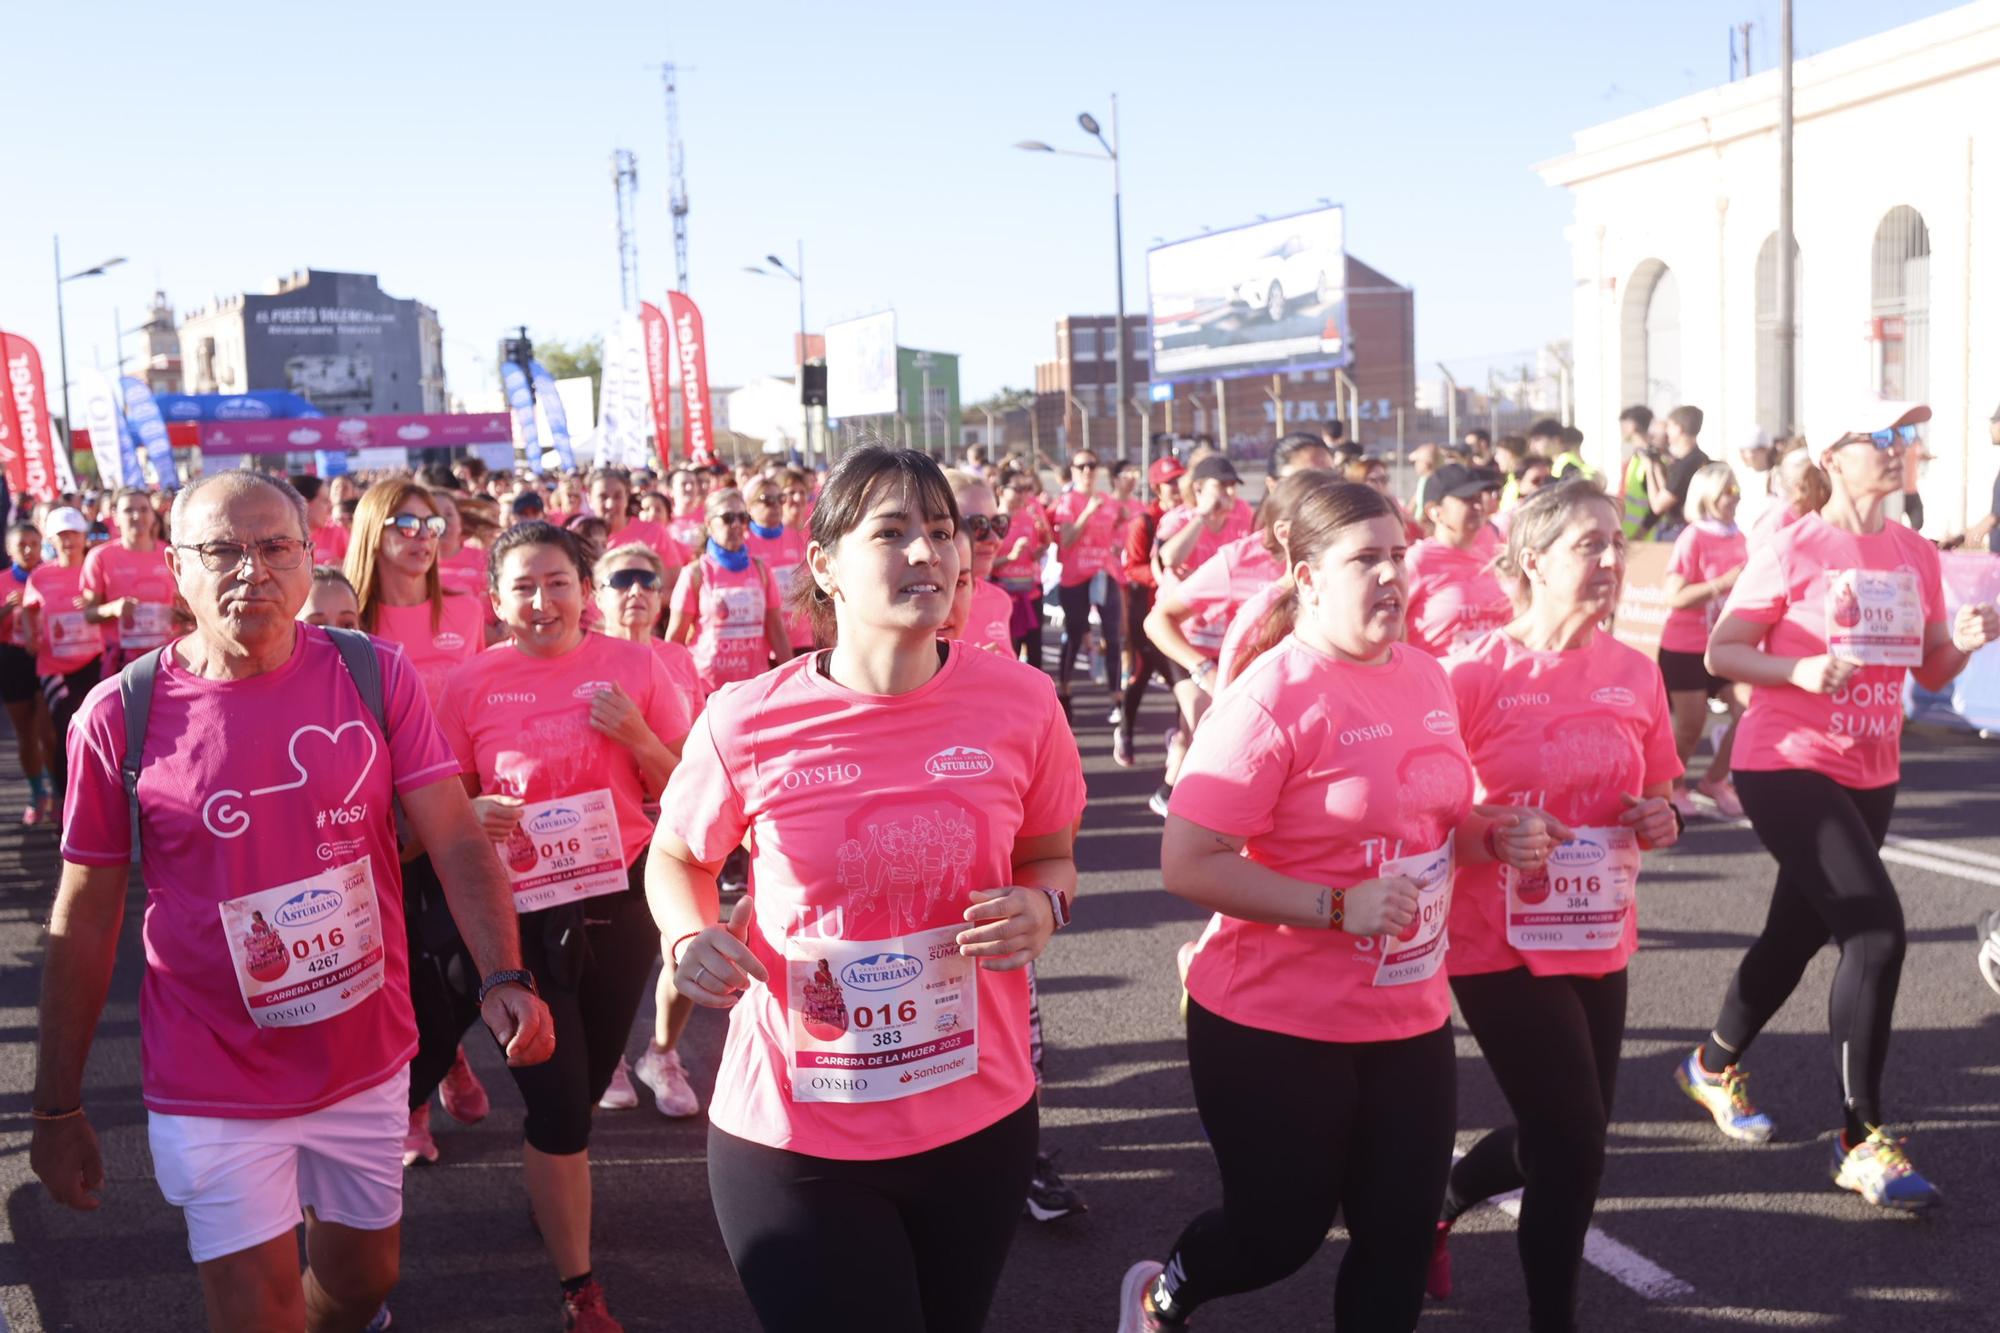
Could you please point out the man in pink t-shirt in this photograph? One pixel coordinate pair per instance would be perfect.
(274, 1012)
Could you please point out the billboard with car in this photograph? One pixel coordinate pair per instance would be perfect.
(1264, 297)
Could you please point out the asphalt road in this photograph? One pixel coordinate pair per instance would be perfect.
(1693, 1231)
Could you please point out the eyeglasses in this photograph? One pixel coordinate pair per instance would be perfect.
(1888, 439)
(1084, 464)
(277, 553)
(768, 498)
(1025, 488)
(624, 580)
(417, 525)
(982, 526)
(733, 518)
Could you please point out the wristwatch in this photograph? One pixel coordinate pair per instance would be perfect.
(510, 976)
(1058, 903)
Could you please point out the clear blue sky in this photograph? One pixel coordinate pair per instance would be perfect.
(462, 152)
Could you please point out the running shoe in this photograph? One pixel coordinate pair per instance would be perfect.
(1135, 1306)
(381, 1320)
(663, 1072)
(1121, 745)
(584, 1311)
(1683, 801)
(1157, 803)
(1726, 1096)
(1989, 948)
(31, 816)
(463, 1095)
(1879, 1171)
(1117, 717)
(1437, 1279)
(1723, 793)
(1049, 1195)
(418, 1145)
(619, 1094)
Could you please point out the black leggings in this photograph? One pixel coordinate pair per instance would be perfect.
(1026, 624)
(65, 695)
(593, 961)
(1831, 885)
(1076, 604)
(1552, 1043)
(894, 1245)
(1147, 660)
(444, 981)
(1302, 1129)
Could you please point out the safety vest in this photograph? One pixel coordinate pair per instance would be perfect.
(1567, 460)
(1638, 505)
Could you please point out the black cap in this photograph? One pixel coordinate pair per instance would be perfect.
(527, 502)
(1216, 466)
(1456, 479)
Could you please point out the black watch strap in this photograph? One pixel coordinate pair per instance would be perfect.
(510, 976)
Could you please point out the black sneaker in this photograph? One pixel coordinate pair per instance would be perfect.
(1121, 745)
(735, 874)
(1049, 1195)
(1157, 803)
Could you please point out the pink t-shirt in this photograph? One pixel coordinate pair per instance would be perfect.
(1211, 540)
(1328, 769)
(1705, 550)
(672, 554)
(1025, 573)
(1095, 545)
(1245, 627)
(521, 724)
(1454, 597)
(13, 625)
(435, 653)
(69, 640)
(251, 785)
(1853, 736)
(330, 544)
(1570, 733)
(986, 624)
(871, 817)
(110, 572)
(728, 610)
(465, 571)
(1774, 519)
(1126, 511)
(1220, 587)
(679, 663)
(691, 532)
(785, 556)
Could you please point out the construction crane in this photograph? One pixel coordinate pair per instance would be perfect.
(625, 180)
(677, 194)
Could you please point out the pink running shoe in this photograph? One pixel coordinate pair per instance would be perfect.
(31, 816)
(584, 1311)
(463, 1095)
(663, 1072)
(1437, 1281)
(1723, 793)
(418, 1145)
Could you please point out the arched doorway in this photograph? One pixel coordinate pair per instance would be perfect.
(1650, 369)
(1900, 305)
(1768, 419)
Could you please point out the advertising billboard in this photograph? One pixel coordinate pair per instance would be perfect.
(1269, 296)
(930, 398)
(861, 367)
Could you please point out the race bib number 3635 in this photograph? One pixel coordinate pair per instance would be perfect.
(565, 849)
(875, 1020)
(306, 951)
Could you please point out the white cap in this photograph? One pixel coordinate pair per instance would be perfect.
(1756, 439)
(1863, 416)
(66, 519)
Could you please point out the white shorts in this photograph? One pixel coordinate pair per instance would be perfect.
(242, 1182)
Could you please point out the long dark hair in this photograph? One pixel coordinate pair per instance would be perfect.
(1320, 509)
(536, 532)
(843, 503)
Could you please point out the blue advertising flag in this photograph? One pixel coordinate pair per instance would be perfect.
(521, 402)
(552, 412)
(142, 414)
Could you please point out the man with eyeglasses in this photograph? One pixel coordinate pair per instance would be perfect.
(1086, 522)
(274, 1013)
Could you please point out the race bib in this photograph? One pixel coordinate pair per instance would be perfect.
(1418, 952)
(1875, 617)
(565, 849)
(309, 950)
(1580, 899)
(739, 612)
(71, 632)
(875, 1020)
(146, 625)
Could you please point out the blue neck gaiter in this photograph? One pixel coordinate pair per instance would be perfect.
(733, 561)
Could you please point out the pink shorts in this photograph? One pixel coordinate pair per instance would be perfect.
(241, 1182)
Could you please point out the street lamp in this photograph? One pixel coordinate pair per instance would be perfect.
(1110, 154)
(779, 269)
(62, 337)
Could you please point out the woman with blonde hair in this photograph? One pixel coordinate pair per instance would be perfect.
(1707, 557)
(727, 608)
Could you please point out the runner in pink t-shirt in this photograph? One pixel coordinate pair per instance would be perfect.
(987, 620)
(728, 609)
(1707, 557)
(1188, 536)
(132, 573)
(611, 500)
(1319, 816)
(782, 549)
(562, 737)
(912, 809)
(20, 686)
(1249, 628)
(1454, 594)
(274, 1010)
(66, 631)
(1825, 622)
(1561, 718)
(1087, 550)
(1018, 565)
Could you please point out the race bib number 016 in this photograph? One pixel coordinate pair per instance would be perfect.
(565, 849)
(1418, 952)
(1875, 617)
(306, 951)
(876, 1020)
(1580, 898)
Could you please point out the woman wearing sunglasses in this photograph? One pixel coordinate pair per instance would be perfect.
(392, 563)
(727, 605)
(1018, 568)
(1087, 535)
(988, 616)
(779, 545)
(1825, 621)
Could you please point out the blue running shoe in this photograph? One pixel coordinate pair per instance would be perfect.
(1879, 1171)
(1725, 1096)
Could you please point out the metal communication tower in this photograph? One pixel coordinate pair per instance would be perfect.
(677, 194)
(625, 180)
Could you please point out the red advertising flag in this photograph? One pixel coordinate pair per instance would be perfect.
(659, 377)
(691, 359)
(29, 446)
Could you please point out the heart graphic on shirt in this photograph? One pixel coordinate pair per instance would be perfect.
(228, 820)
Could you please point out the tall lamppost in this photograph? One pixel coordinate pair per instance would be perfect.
(1110, 154)
(62, 335)
(797, 273)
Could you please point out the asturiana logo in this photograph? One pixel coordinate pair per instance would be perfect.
(449, 641)
(307, 907)
(882, 971)
(554, 820)
(959, 761)
(1439, 721)
(1615, 695)
(1573, 855)
(590, 689)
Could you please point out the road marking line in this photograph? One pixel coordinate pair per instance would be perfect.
(1938, 865)
(1969, 855)
(1621, 1263)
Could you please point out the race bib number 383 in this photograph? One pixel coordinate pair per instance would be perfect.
(306, 951)
(875, 1020)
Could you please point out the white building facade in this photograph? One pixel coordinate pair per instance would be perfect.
(1897, 219)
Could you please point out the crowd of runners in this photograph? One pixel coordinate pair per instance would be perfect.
(399, 758)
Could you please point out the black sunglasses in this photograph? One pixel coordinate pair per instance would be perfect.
(980, 525)
(732, 518)
(624, 580)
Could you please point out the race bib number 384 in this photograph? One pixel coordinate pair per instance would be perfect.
(306, 951)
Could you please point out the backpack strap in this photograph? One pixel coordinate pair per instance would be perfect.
(357, 651)
(135, 692)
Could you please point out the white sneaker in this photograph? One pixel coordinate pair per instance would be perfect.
(663, 1072)
(619, 1094)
